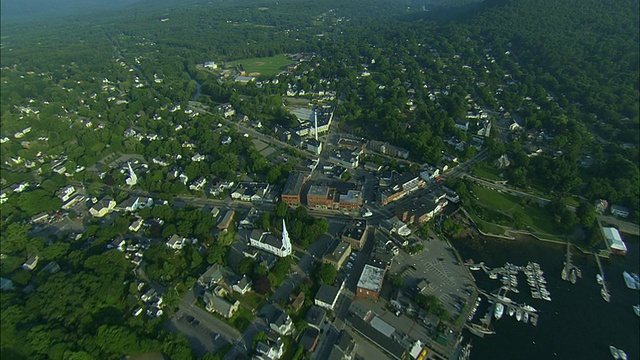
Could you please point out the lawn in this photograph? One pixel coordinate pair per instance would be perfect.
(487, 171)
(251, 299)
(241, 319)
(494, 199)
(536, 218)
(267, 66)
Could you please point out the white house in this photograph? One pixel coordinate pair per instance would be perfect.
(103, 207)
(136, 225)
(176, 242)
(282, 325)
(327, 296)
(619, 211)
(243, 285)
(273, 351)
(198, 184)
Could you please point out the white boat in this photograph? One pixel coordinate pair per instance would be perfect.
(529, 308)
(512, 311)
(493, 276)
(614, 352)
(525, 317)
(632, 280)
(518, 314)
(623, 355)
(605, 295)
(498, 311)
(636, 309)
(599, 279)
(474, 268)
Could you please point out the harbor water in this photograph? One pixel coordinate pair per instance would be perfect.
(577, 323)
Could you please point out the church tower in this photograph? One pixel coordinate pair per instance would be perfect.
(133, 178)
(286, 242)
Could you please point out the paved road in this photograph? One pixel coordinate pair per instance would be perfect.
(188, 307)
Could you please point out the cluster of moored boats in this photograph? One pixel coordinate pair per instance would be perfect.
(474, 308)
(617, 353)
(537, 282)
(509, 279)
(522, 313)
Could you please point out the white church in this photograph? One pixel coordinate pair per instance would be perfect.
(133, 178)
(268, 242)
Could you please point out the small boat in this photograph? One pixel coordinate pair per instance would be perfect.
(632, 280)
(605, 295)
(498, 311)
(636, 309)
(493, 276)
(599, 279)
(525, 317)
(529, 308)
(466, 352)
(518, 314)
(474, 268)
(614, 352)
(512, 311)
(623, 355)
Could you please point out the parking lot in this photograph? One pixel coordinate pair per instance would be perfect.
(202, 339)
(447, 279)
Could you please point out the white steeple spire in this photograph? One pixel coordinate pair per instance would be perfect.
(315, 118)
(286, 242)
(133, 178)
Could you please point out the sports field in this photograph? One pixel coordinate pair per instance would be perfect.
(263, 66)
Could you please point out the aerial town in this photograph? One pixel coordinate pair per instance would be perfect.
(298, 211)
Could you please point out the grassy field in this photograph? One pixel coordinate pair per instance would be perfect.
(267, 66)
(537, 219)
(487, 171)
(493, 199)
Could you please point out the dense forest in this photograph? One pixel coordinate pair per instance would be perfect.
(565, 69)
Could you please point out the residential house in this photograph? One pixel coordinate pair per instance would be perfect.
(271, 351)
(65, 193)
(198, 184)
(327, 296)
(117, 243)
(216, 275)
(31, 263)
(136, 225)
(225, 222)
(621, 211)
(282, 324)
(297, 301)
(243, 285)
(103, 207)
(344, 348)
(316, 317)
(216, 304)
(310, 338)
(176, 242)
(251, 191)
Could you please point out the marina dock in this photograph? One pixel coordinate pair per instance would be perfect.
(604, 291)
(570, 272)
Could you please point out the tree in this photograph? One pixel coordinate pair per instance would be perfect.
(586, 213)
(326, 273)
(397, 281)
(262, 285)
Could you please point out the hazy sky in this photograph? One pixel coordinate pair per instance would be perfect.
(25, 10)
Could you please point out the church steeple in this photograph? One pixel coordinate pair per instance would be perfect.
(286, 242)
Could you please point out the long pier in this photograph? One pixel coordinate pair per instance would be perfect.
(570, 271)
(604, 292)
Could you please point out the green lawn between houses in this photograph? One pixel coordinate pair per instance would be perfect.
(267, 66)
